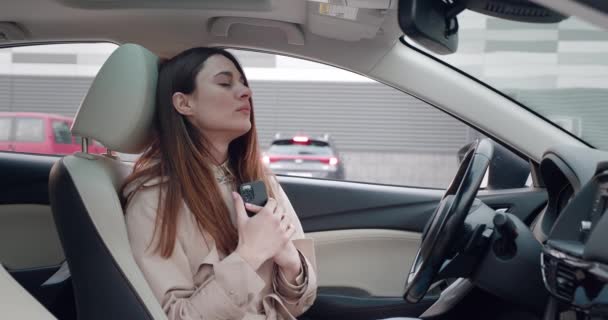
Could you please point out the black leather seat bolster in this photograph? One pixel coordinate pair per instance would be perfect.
(101, 289)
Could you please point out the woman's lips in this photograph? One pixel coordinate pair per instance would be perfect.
(244, 109)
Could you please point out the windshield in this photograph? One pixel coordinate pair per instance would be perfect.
(559, 71)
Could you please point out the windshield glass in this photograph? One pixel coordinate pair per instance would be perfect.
(560, 71)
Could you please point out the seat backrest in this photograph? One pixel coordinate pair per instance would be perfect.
(83, 189)
(17, 303)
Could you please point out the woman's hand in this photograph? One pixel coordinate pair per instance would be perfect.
(264, 235)
(288, 258)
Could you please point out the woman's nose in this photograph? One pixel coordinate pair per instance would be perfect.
(245, 92)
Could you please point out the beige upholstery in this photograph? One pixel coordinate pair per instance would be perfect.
(28, 238)
(119, 107)
(381, 255)
(17, 303)
(117, 111)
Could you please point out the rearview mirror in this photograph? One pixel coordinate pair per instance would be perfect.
(431, 23)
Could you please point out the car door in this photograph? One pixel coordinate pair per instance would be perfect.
(366, 237)
(30, 249)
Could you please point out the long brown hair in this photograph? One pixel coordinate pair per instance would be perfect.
(179, 153)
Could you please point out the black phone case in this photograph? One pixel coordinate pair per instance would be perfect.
(254, 193)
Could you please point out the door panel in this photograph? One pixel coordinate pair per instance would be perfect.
(324, 205)
(366, 237)
(17, 303)
(29, 244)
(369, 262)
(28, 238)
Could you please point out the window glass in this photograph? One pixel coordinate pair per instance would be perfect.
(29, 130)
(372, 133)
(5, 129)
(30, 74)
(62, 133)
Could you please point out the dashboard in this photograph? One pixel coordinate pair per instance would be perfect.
(573, 228)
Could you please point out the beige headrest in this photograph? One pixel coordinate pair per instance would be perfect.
(119, 107)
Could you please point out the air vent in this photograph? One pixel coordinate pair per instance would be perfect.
(565, 281)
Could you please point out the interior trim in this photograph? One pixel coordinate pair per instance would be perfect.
(374, 261)
(28, 238)
(17, 303)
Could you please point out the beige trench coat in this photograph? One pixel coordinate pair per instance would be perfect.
(200, 282)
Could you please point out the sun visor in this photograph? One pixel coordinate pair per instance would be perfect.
(346, 22)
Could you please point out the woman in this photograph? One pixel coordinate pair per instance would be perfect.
(202, 255)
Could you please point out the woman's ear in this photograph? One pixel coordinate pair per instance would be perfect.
(181, 103)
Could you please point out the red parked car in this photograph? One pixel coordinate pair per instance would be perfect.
(40, 133)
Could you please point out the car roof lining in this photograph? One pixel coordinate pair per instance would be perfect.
(241, 5)
(167, 27)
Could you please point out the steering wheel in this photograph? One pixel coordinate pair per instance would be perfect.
(439, 239)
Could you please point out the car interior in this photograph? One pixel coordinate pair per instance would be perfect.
(472, 250)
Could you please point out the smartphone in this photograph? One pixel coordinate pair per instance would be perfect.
(254, 193)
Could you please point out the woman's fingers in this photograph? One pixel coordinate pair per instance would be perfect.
(253, 208)
(240, 210)
(271, 206)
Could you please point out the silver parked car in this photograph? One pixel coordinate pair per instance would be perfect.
(304, 156)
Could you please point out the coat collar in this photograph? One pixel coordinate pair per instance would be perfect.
(223, 174)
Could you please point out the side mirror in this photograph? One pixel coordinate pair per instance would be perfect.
(463, 150)
(506, 171)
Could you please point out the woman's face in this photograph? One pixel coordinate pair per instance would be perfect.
(219, 106)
